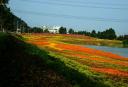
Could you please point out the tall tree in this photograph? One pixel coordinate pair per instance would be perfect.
(93, 33)
(63, 30)
(10, 22)
(71, 31)
(3, 2)
(110, 34)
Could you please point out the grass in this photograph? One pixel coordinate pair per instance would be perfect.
(26, 65)
(80, 65)
(77, 74)
(20, 67)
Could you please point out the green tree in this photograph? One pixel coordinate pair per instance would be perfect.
(71, 31)
(63, 30)
(110, 34)
(8, 21)
(46, 31)
(93, 33)
(36, 30)
(3, 2)
(125, 43)
(107, 34)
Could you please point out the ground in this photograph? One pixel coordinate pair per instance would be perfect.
(111, 66)
(50, 60)
(20, 69)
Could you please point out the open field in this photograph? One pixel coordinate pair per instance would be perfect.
(83, 40)
(95, 64)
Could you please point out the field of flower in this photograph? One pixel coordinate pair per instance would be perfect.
(111, 67)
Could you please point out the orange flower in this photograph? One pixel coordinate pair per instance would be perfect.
(111, 71)
(89, 51)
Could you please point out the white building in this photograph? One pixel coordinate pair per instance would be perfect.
(53, 29)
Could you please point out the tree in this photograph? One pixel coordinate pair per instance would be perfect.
(3, 2)
(110, 34)
(125, 43)
(71, 31)
(10, 22)
(93, 33)
(107, 34)
(46, 31)
(36, 30)
(63, 30)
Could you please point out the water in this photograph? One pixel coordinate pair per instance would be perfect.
(119, 51)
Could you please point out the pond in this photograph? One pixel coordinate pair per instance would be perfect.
(119, 51)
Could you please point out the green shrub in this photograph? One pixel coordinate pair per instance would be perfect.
(125, 43)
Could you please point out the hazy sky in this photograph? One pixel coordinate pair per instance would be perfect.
(77, 14)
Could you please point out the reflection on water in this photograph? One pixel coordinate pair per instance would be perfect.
(119, 51)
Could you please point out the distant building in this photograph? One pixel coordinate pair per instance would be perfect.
(53, 29)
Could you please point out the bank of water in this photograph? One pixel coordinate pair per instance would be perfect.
(115, 50)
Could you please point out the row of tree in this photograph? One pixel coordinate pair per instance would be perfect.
(107, 34)
(124, 38)
(9, 22)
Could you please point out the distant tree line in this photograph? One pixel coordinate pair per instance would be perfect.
(36, 30)
(107, 34)
(9, 22)
(124, 38)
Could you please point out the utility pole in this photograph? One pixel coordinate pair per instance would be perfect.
(17, 26)
(18, 29)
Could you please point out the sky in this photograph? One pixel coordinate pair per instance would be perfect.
(86, 15)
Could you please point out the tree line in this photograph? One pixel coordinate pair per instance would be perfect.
(9, 22)
(107, 34)
(124, 38)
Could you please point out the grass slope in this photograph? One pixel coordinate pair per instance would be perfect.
(82, 66)
(25, 65)
(19, 68)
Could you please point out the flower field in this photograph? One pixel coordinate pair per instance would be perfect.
(106, 64)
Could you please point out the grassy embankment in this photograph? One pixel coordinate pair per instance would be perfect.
(24, 65)
(81, 65)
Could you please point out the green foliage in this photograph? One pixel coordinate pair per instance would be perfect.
(46, 31)
(107, 34)
(125, 43)
(10, 22)
(63, 30)
(93, 33)
(4, 2)
(36, 30)
(122, 37)
(71, 31)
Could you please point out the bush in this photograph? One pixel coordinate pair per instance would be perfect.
(125, 43)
